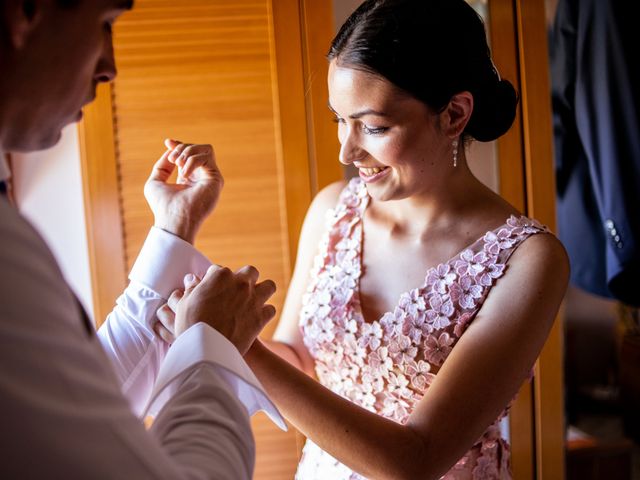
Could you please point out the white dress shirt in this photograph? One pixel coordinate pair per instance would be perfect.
(62, 413)
(137, 353)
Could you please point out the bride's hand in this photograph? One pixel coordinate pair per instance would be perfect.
(181, 207)
(166, 314)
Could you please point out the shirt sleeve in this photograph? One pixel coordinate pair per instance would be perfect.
(138, 355)
(127, 334)
(203, 345)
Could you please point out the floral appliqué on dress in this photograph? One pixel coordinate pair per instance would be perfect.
(387, 366)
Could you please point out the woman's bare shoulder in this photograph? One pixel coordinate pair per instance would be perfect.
(540, 265)
(543, 248)
(329, 195)
(325, 199)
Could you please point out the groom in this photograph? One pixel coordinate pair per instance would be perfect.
(67, 407)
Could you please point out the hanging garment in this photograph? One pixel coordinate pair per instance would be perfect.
(595, 91)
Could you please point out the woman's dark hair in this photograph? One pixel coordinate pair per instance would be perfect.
(431, 49)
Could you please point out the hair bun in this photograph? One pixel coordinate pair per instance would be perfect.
(494, 110)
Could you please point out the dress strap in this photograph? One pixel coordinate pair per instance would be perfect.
(343, 225)
(479, 267)
(353, 200)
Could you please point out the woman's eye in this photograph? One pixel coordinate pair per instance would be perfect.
(338, 120)
(373, 130)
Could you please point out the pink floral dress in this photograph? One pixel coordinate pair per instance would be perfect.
(387, 366)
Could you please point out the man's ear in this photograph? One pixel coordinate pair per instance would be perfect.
(21, 17)
(457, 114)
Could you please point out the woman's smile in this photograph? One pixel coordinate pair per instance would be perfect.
(373, 174)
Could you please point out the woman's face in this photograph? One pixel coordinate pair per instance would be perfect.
(392, 138)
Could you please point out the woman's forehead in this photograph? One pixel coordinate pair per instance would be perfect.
(354, 89)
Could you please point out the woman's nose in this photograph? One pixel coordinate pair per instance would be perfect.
(350, 150)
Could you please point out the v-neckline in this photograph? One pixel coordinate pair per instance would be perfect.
(357, 305)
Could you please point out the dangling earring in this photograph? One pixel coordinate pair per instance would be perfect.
(455, 152)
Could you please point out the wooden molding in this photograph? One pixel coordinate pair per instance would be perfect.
(318, 31)
(308, 140)
(518, 34)
(101, 201)
(540, 189)
(512, 184)
(290, 117)
(504, 49)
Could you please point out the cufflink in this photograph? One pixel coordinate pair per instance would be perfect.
(613, 233)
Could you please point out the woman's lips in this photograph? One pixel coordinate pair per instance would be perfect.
(373, 174)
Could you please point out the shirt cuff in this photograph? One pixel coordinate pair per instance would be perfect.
(164, 261)
(202, 344)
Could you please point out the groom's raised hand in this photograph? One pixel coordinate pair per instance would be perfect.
(181, 207)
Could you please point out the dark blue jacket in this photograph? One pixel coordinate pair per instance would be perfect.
(596, 93)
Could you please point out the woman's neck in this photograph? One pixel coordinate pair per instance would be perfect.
(449, 202)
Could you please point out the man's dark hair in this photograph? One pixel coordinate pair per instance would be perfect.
(68, 3)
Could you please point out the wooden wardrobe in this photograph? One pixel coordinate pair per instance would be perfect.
(249, 77)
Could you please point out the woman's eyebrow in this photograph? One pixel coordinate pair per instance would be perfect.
(362, 113)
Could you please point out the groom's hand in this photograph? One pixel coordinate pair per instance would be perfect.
(181, 207)
(232, 303)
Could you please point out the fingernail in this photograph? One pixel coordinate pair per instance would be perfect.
(189, 278)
